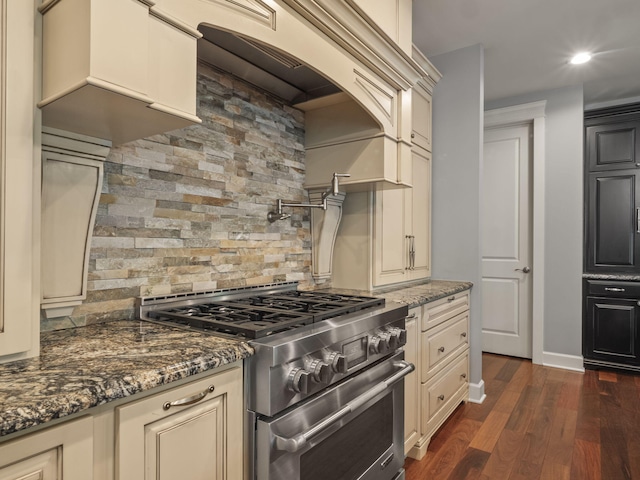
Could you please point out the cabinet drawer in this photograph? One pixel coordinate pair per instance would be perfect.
(605, 288)
(441, 345)
(445, 308)
(444, 389)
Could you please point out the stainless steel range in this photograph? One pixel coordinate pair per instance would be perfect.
(324, 390)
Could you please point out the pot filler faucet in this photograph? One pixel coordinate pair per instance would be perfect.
(332, 190)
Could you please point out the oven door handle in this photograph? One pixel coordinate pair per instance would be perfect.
(296, 443)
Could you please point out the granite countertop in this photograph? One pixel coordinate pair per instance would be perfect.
(612, 277)
(84, 367)
(416, 295)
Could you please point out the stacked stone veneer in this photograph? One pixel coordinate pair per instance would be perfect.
(187, 210)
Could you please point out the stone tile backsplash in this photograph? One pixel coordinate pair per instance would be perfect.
(187, 210)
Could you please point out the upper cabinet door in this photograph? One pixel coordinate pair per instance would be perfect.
(613, 146)
(421, 117)
(613, 222)
(19, 320)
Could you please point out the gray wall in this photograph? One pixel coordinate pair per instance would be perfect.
(563, 215)
(458, 119)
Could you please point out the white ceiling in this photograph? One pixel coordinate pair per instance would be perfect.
(527, 43)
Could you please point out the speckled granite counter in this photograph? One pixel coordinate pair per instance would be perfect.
(611, 277)
(84, 367)
(415, 295)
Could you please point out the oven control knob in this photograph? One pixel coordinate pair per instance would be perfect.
(337, 361)
(390, 340)
(320, 371)
(299, 380)
(379, 343)
(400, 334)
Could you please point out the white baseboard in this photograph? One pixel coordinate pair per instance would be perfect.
(476, 392)
(561, 360)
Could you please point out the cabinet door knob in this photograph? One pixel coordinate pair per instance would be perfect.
(441, 349)
(463, 334)
(464, 375)
(440, 397)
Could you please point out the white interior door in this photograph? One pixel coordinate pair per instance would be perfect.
(506, 242)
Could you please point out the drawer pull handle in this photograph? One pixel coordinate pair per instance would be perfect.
(614, 289)
(463, 334)
(441, 349)
(463, 375)
(183, 402)
(451, 299)
(412, 316)
(440, 397)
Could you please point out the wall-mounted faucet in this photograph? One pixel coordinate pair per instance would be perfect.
(332, 190)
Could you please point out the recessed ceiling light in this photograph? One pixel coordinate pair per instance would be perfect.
(579, 58)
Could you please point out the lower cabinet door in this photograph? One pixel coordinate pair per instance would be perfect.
(41, 467)
(61, 452)
(183, 433)
(611, 331)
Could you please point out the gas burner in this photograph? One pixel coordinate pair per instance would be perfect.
(256, 316)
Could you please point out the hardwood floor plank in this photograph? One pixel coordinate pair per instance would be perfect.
(553, 471)
(525, 470)
(561, 438)
(508, 370)
(588, 423)
(523, 411)
(614, 453)
(570, 392)
(504, 455)
(470, 466)
(490, 431)
(585, 464)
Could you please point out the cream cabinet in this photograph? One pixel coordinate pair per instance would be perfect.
(117, 69)
(194, 431)
(63, 452)
(442, 362)
(421, 112)
(19, 182)
(385, 234)
(402, 227)
(392, 17)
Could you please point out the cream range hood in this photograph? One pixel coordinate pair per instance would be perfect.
(341, 135)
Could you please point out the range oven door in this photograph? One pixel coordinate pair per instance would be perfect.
(353, 430)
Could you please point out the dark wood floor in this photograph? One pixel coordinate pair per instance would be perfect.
(539, 423)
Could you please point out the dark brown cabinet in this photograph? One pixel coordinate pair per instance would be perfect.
(611, 312)
(611, 335)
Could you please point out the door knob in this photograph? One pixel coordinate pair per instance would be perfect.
(523, 269)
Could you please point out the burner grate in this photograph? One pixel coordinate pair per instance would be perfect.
(254, 323)
(257, 316)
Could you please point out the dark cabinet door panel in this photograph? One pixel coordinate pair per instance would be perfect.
(612, 147)
(611, 330)
(612, 242)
